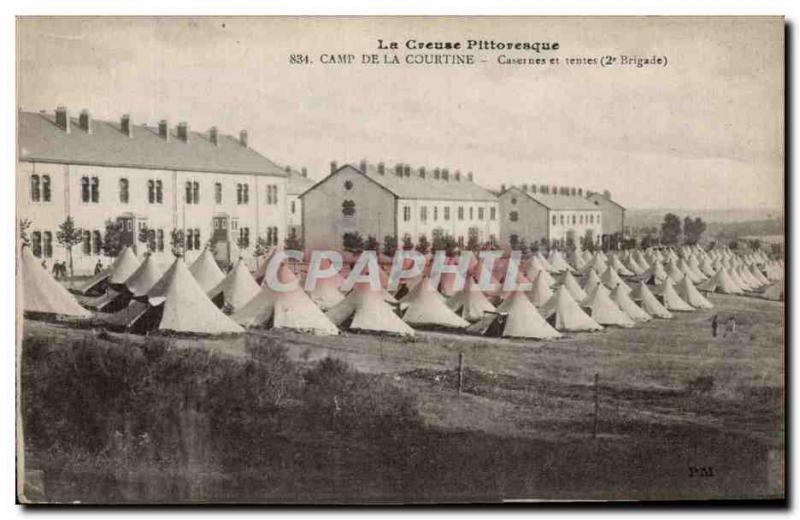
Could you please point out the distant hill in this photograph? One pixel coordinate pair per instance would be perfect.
(636, 218)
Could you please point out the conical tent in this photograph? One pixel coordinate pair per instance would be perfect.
(576, 259)
(184, 306)
(623, 300)
(123, 267)
(774, 291)
(557, 262)
(611, 279)
(565, 315)
(470, 303)
(236, 289)
(619, 267)
(591, 283)
(733, 275)
(206, 271)
(656, 274)
(144, 277)
(535, 268)
(365, 310)
(291, 309)
(670, 298)
(673, 271)
(756, 273)
(516, 317)
(649, 302)
(720, 282)
(540, 292)
(326, 292)
(426, 307)
(603, 310)
(634, 266)
(572, 286)
(41, 293)
(689, 293)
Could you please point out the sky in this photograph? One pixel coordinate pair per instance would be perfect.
(706, 131)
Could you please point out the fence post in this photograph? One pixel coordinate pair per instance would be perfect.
(596, 403)
(460, 372)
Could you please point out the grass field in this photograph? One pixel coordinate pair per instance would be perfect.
(681, 414)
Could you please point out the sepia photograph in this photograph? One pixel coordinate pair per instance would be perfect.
(400, 260)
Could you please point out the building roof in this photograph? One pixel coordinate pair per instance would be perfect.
(593, 195)
(428, 188)
(41, 140)
(559, 202)
(298, 183)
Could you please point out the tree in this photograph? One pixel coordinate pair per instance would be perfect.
(587, 241)
(177, 240)
(262, 246)
(372, 244)
(24, 224)
(693, 229)
(389, 245)
(67, 237)
(472, 242)
(353, 242)
(423, 246)
(755, 244)
(647, 241)
(408, 244)
(112, 238)
(670, 229)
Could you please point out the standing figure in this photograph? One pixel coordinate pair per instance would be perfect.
(714, 325)
(98, 268)
(732, 325)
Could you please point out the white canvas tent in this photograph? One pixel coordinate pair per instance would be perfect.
(649, 302)
(516, 317)
(41, 293)
(206, 271)
(603, 310)
(470, 303)
(366, 310)
(623, 300)
(689, 293)
(426, 307)
(236, 289)
(563, 312)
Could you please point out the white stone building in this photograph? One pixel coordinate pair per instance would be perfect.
(296, 184)
(209, 185)
(380, 201)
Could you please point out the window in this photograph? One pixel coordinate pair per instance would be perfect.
(269, 194)
(406, 213)
(95, 189)
(274, 235)
(35, 188)
(189, 239)
(244, 237)
(513, 216)
(197, 239)
(274, 195)
(481, 212)
(235, 224)
(561, 220)
(46, 188)
(151, 191)
(348, 185)
(246, 194)
(436, 213)
(461, 213)
(348, 208)
(471, 213)
(97, 242)
(218, 192)
(423, 213)
(160, 240)
(580, 219)
(36, 243)
(196, 192)
(151, 239)
(239, 194)
(85, 189)
(554, 220)
(188, 192)
(87, 243)
(447, 212)
(492, 213)
(124, 192)
(269, 236)
(48, 244)
(159, 192)
(513, 200)
(292, 208)
(573, 220)
(591, 219)
(513, 240)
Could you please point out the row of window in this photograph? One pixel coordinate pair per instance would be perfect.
(582, 219)
(40, 187)
(423, 213)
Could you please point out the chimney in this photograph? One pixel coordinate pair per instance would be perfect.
(125, 125)
(421, 172)
(533, 188)
(503, 187)
(580, 192)
(243, 138)
(287, 169)
(163, 130)
(607, 194)
(436, 173)
(469, 176)
(446, 174)
(183, 131)
(381, 169)
(555, 190)
(213, 135)
(363, 165)
(524, 188)
(543, 189)
(304, 171)
(457, 175)
(407, 170)
(398, 169)
(574, 191)
(333, 166)
(62, 118)
(85, 121)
